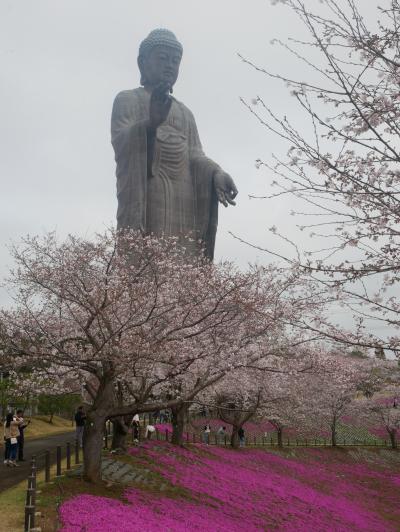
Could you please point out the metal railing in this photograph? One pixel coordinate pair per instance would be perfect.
(71, 454)
(44, 462)
(256, 440)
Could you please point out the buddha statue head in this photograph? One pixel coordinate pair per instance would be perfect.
(159, 59)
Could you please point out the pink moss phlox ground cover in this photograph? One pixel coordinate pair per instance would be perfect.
(380, 432)
(251, 488)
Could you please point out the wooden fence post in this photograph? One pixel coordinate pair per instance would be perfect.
(76, 452)
(29, 518)
(68, 455)
(33, 464)
(47, 466)
(32, 481)
(29, 521)
(58, 461)
(30, 497)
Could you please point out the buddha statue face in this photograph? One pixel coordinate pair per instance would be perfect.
(160, 65)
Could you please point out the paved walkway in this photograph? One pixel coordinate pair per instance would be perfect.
(11, 476)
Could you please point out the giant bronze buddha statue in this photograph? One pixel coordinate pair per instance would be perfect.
(165, 183)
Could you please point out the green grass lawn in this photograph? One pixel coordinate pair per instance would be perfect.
(40, 427)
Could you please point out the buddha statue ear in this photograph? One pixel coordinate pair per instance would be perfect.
(140, 61)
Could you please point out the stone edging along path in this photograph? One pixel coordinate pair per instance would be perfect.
(117, 471)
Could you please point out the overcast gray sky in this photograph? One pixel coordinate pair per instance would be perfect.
(63, 62)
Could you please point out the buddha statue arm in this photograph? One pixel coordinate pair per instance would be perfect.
(223, 184)
(160, 105)
(126, 123)
(129, 139)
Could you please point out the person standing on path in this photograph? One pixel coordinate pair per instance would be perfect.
(11, 433)
(80, 419)
(21, 438)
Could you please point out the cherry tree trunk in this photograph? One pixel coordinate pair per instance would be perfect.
(333, 433)
(178, 424)
(235, 436)
(120, 431)
(94, 430)
(280, 437)
(393, 439)
(92, 447)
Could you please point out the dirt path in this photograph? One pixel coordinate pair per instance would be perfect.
(11, 476)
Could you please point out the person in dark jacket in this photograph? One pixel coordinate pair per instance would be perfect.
(80, 419)
(21, 438)
(241, 437)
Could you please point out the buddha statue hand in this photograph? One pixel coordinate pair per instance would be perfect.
(225, 188)
(160, 104)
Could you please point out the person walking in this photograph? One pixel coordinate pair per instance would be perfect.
(21, 438)
(149, 431)
(221, 433)
(80, 419)
(11, 433)
(135, 428)
(206, 434)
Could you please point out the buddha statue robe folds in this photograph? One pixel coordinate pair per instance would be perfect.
(176, 196)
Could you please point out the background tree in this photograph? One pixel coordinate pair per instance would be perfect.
(329, 393)
(342, 163)
(64, 404)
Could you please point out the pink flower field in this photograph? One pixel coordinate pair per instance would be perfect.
(218, 489)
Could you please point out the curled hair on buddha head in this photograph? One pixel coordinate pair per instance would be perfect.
(158, 37)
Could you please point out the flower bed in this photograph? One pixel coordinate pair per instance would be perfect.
(225, 490)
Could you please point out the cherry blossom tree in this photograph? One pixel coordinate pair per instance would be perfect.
(330, 393)
(136, 323)
(267, 388)
(282, 400)
(342, 163)
(385, 408)
(237, 400)
(274, 300)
